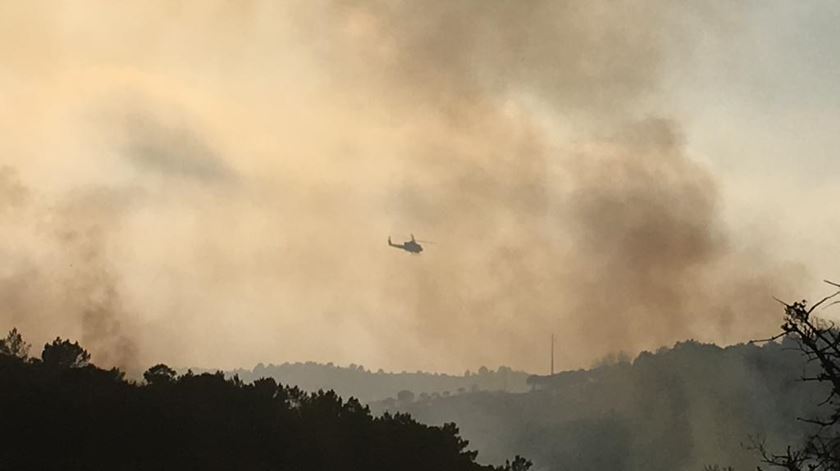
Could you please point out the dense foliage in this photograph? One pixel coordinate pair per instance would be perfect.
(61, 412)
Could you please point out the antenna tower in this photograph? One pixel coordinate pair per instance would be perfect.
(552, 354)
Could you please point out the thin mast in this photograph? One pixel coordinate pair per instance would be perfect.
(552, 354)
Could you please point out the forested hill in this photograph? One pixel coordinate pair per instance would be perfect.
(367, 386)
(60, 412)
(680, 408)
(677, 409)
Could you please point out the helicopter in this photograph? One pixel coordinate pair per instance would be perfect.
(411, 246)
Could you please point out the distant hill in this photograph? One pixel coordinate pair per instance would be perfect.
(677, 409)
(367, 386)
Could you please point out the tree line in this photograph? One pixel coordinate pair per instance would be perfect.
(60, 411)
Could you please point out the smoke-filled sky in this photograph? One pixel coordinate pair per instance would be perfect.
(212, 183)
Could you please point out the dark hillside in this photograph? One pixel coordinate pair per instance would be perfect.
(62, 413)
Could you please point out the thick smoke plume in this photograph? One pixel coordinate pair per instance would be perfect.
(214, 183)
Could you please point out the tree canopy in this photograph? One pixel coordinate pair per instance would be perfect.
(63, 412)
(14, 346)
(63, 354)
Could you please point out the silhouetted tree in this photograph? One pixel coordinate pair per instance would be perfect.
(518, 464)
(160, 374)
(14, 346)
(819, 341)
(63, 354)
(266, 387)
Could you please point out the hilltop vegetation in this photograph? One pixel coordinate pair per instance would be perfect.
(692, 406)
(678, 408)
(62, 413)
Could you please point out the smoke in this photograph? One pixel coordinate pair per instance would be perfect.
(91, 288)
(222, 178)
(12, 192)
(58, 279)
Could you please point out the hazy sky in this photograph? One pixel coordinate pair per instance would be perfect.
(212, 183)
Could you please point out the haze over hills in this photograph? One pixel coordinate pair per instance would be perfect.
(368, 386)
(679, 408)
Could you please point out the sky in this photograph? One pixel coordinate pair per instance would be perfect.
(212, 183)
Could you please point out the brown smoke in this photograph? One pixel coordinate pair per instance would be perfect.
(225, 175)
(59, 276)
